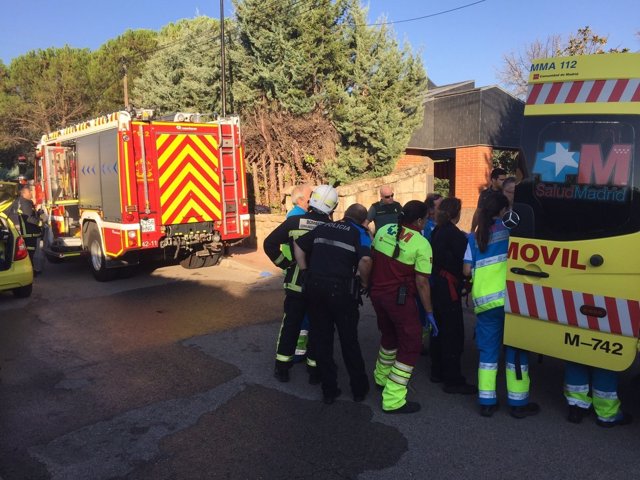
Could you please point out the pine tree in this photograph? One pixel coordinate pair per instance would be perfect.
(378, 105)
(183, 74)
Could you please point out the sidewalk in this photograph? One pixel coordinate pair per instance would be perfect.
(251, 259)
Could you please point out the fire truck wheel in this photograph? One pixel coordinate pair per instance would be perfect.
(212, 260)
(97, 260)
(192, 261)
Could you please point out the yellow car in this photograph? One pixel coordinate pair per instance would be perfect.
(16, 273)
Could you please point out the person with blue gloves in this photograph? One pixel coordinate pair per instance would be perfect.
(448, 244)
(401, 269)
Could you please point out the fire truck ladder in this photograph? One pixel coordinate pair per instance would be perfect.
(231, 216)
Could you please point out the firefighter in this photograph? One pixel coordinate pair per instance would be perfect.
(27, 219)
(604, 389)
(401, 269)
(486, 260)
(323, 201)
(300, 199)
(339, 265)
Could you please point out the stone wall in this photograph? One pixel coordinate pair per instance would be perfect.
(409, 184)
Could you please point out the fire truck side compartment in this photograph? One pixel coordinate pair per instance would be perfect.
(97, 168)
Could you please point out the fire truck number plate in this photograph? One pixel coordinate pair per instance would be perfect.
(576, 340)
(148, 224)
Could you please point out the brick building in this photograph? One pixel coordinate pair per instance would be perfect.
(462, 126)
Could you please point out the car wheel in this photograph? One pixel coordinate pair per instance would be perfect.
(97, 259)
(23, 292)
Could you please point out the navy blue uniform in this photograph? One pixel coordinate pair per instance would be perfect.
(331, 292)
(294, 305)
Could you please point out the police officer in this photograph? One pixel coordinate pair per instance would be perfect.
(385, 211)
(322, 203)
(339, 263)
(23, 214)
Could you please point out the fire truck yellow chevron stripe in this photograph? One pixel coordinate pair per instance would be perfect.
(192, 205)
(206, 148)
(169, 151)
(177, 162)
(161, 139)
(187, 170)
(191, 189)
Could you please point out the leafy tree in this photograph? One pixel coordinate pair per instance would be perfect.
(515, 71)
(107, 64)
(183, 73)
(45, 90)
(505, 159)
(289, 54)
(378, 105)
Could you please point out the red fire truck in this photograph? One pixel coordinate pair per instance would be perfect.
(124, 183)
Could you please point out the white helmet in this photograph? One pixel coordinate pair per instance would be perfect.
(324, 199)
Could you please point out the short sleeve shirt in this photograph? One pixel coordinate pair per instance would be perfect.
(384, 213)
(414, 258)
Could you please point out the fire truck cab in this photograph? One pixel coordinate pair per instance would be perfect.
(125, 183)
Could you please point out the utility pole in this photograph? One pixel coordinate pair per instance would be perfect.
(223, 86)
(125, 84)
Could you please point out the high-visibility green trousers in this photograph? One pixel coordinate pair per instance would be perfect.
(394, 376)
(489, 330)
(604, 385)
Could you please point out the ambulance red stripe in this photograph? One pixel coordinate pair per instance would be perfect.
(551, 304)
(563, 306)
(618, 90)
(512, 297)
(634, 313)
(531, 300)
(575, 90)
(595, 91)
(553, 93)
(533, 96)
(612, 315)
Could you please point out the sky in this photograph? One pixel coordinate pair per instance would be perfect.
(465, 44)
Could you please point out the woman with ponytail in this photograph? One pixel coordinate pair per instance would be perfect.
(401, 269)
(448, 244)
(486, 260)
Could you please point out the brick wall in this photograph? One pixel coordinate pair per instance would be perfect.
(473, 167)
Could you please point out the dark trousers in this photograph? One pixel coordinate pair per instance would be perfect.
(447, 347)
(329, 305)
(294, 310)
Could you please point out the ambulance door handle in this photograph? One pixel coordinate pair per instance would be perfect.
(529, 273)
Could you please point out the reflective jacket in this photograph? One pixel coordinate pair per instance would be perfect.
(28, 221)
(284, 235)
(489, 269)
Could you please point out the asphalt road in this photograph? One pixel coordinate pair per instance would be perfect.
(168, 375)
